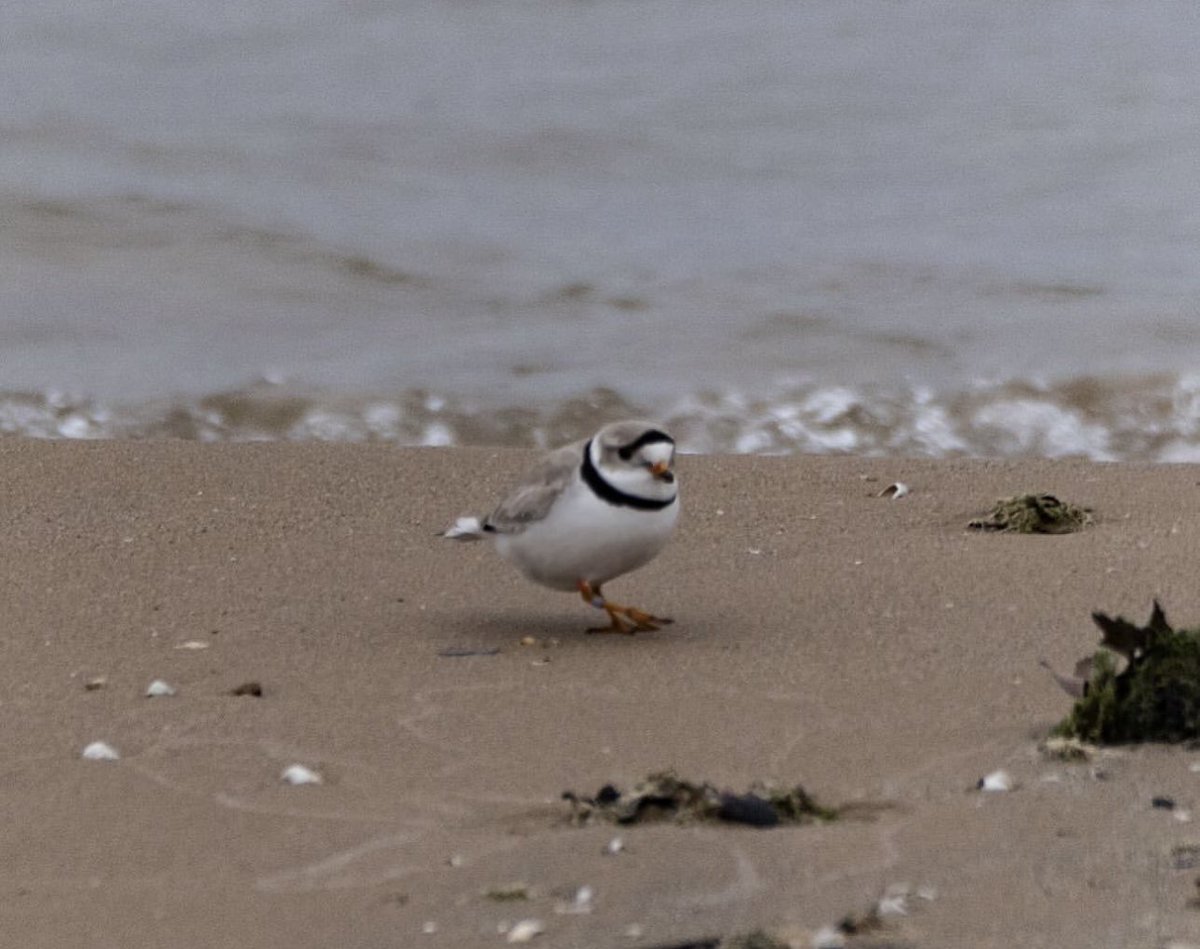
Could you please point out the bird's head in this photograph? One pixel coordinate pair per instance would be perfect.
(636, 457)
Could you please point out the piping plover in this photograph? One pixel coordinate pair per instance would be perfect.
(587, 513)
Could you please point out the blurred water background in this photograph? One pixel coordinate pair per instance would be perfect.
(922, 228)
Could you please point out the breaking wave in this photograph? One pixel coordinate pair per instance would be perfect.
(1154, 418)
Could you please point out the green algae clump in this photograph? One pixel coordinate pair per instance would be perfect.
(1155, 697)
(1034, 514)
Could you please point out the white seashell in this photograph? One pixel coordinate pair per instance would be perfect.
(895, 491)
(158, 688)
(526, 930)
(580, 904)
(614, 846)
(193, 644)
(828, 938)
(996, 781)
(893, 906)
(99, 751)
(298, 774)
(894, 901)
(429, 927)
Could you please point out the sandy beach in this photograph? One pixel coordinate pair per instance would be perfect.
(874, 650)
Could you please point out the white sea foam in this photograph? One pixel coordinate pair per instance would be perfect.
(1155, 418)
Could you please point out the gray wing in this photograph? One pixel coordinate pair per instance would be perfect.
(532, 499)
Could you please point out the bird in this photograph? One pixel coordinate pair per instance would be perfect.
(588, 513)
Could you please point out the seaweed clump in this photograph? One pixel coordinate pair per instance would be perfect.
(1034, 514)
(665, 796)
(1155, 697)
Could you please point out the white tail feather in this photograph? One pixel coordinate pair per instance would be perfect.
(465, 528)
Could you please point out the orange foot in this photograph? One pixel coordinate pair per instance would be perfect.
(622, 619)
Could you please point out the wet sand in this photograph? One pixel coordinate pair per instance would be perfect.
(874, 650)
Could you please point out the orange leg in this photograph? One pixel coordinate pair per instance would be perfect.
(622, 619)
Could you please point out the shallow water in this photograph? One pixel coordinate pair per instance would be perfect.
(926, 228)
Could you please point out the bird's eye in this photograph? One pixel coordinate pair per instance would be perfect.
(625, 453)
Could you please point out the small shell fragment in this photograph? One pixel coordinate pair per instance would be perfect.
(298, 774)
(99, 751)
(996, 781)
(429, 927)
(193, 644)
(894, 901)
(614, 846)
(580, 904)
(159, 689)
(99, 682)
(895, 491)
(828, 938)
(528, 641)
(526, 930)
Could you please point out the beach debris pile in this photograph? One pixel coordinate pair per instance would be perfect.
(751, 940)
(1034, 514)
(663, 796)
(1155, 696)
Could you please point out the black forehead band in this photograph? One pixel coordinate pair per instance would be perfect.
(651, 437)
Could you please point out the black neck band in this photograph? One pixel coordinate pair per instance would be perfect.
(614, 496)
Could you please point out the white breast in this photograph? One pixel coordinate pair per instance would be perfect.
(585, 538)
